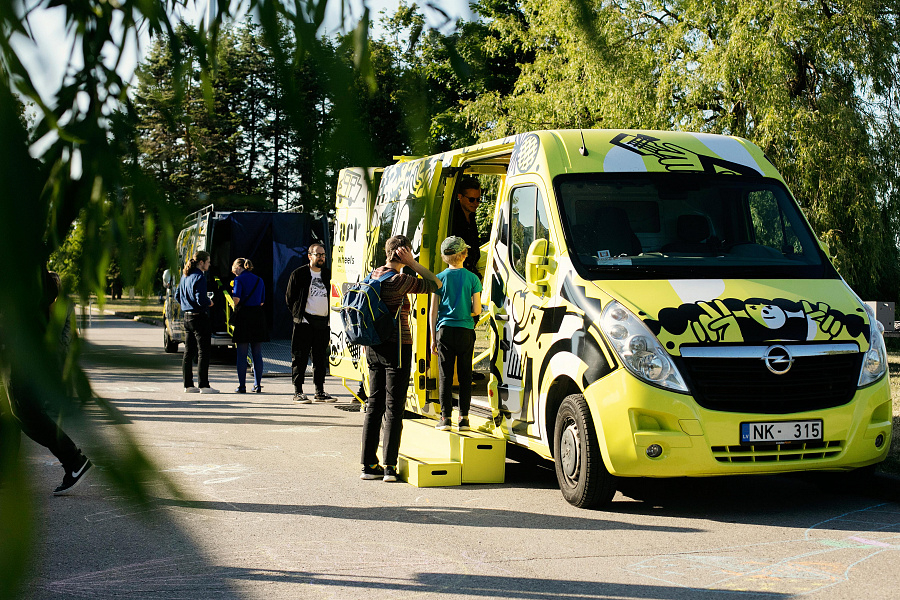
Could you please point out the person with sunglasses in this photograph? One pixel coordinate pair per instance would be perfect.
(463, 225)
(307, 298)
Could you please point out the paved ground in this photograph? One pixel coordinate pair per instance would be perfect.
(273, 508)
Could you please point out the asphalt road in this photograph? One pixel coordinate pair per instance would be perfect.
(273, 507)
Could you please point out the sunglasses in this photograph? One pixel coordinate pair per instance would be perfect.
(471, 199)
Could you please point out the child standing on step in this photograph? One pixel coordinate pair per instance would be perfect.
(453, 329)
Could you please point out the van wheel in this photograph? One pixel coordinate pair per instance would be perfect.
(582, 476)
(169, 344)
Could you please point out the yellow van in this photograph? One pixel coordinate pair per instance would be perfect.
(657, 306)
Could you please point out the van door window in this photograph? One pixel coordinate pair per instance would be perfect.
(526, 221)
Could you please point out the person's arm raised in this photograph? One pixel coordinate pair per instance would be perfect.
(404, 256)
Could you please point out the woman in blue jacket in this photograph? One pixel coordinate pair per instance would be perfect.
(250, 328)
(191, 295)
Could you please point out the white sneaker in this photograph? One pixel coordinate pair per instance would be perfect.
(192, 390)
(208, 390)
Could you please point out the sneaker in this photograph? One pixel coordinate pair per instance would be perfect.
(208, 390)
(73, 478)
(376, 472)
(322, 396)
(443, 425)
(240, 390)
(302, 398)
(464, 423)
(390, 473)
(191, 390)
(257, 389)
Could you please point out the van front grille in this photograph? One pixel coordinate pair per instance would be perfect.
(781, 453)
(736, 383)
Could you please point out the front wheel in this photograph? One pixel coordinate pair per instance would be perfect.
(583, 478)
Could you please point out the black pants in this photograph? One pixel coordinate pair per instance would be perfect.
(25, 410)
(455, 346)
(197, 332)
(307, 339)
(389, 368)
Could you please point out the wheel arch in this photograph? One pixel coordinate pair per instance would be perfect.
(561, 387)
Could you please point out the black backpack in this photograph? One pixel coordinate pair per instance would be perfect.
(367, 319)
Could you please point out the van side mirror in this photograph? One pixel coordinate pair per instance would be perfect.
(540, 265)
(167, 278)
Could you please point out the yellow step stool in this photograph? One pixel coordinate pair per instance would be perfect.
(424, 472)
(481, 457)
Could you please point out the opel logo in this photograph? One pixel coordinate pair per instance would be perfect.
(778, 359)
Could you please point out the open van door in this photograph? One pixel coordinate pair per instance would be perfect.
(353, 209)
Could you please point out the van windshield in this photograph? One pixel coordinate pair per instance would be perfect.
(653, 225)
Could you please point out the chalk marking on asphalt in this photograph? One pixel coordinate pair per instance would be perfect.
(303, 429)
(791, 574)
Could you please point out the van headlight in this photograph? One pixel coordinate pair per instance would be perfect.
(874, 363)
(638, 348)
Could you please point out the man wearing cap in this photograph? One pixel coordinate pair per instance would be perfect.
(453, 329)
(464, 226)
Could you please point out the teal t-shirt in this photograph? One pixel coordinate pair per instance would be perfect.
(455, 307)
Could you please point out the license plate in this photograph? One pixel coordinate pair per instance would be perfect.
(781, 431)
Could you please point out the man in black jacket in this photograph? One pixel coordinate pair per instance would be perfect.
(307, 297)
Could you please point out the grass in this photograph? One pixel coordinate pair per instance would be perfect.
(143, 307)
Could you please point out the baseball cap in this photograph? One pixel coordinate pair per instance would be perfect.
(453, 245)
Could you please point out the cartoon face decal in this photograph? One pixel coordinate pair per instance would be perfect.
(767, 315)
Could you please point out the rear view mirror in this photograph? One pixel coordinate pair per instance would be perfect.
(540, 265)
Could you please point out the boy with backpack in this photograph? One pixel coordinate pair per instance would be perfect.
(389, 361)
(453, 329)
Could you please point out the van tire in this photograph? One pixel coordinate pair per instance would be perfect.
(170, 345)
(582, 476)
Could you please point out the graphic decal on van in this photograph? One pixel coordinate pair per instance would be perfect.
(755, 320)
(525, 154)
(675, 158)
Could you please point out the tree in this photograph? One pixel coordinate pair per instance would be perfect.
(812, 83)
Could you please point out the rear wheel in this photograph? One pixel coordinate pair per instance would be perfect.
(583, 479)
(170, 345)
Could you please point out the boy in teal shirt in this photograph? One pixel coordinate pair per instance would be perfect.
(453, 329)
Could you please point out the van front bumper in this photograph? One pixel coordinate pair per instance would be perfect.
(630, 416)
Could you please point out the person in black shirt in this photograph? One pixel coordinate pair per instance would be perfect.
(468, 198)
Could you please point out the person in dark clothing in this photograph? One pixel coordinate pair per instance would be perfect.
(250, 327)
(468, 198)
(307, 298)
(24, 408)
(389, 362)
(192, 296)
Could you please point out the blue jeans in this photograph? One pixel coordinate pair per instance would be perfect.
(256, 350)
(389, 368)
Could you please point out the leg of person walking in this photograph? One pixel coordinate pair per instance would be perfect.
(300, 348)
(397, 385)
(375, 406)
(320, 342)
(25, 407)
(190, 351)
(242, 367)
(258, 366)
(203, 328)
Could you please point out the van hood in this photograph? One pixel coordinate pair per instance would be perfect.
(720, 311)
